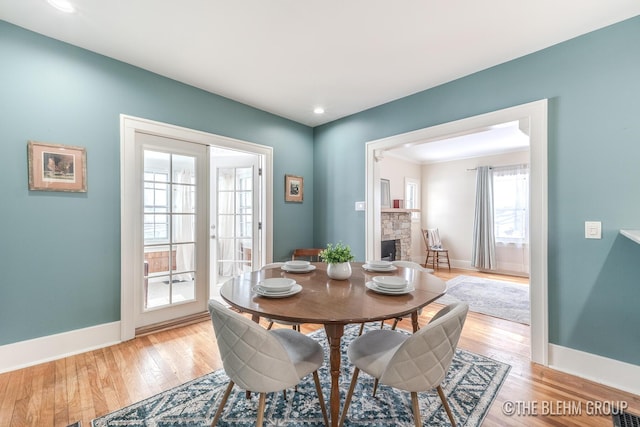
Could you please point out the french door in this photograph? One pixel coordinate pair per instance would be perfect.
(169, 226)
(173, 212)
(235, 217)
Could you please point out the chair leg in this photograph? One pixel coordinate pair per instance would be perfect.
(261, 405)
(395, 323)
(446, 405)
(361, 329)
(347, 400)
(416, 409)
(375, 387)
(223, 402)
(316, 379)
(270, 326)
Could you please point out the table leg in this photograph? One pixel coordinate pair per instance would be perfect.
(414, 321)
(334, 334)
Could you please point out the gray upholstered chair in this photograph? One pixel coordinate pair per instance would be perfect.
(415, 266)
(404, 264)
(411, 264)
(272, 265)
(263, 361)
(294, 325)
(413, 363)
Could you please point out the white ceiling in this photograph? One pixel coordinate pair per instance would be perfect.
(498, 139)
(288, 56)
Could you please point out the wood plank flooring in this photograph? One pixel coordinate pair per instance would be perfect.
(85, 386)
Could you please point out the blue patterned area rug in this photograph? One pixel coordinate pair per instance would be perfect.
(471, 386)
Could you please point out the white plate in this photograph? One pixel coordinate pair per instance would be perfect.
(379, 264)
(298, 270)
(380, 270)
(297, 264)
(277, 284)
(402, 291)
(294, 290)
(390, 282)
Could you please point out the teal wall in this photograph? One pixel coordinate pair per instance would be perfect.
(60, 252)
(593, 87)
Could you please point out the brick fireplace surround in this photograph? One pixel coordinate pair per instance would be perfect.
(396, 225)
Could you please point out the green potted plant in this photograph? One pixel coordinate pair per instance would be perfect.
(337, 257)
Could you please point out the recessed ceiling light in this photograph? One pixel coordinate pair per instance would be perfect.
(318, 110)
(62, 5)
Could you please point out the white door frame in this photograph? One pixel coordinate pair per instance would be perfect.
(537, 114)
(130, 272)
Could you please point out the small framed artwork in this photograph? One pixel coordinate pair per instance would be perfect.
(293, 188)
(385, 193)
(56, 167)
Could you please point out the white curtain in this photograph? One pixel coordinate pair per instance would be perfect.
(511, 203)
(483, 255)
(226, 243)
(184, 203)
(511, 212)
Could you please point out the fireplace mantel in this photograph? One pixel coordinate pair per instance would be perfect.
(394, 210)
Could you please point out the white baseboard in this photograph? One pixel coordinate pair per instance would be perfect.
(613, 373)
(44, 349)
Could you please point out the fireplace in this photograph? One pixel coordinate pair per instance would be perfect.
(389, 250)
(396, 227)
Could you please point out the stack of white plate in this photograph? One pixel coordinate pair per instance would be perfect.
(390, 285)
(277, 287)
(298, 266)
(379, 266)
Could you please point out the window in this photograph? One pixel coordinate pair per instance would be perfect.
(412, 197)
(511, 204)
(156, 206)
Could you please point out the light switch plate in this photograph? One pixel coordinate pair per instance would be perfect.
(359, 206)
(593, 230)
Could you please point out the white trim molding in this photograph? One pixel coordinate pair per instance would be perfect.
(613, 373)
(52, 347)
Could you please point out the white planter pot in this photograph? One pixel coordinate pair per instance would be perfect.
(339, 271)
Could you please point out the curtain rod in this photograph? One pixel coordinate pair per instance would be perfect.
(526, 165)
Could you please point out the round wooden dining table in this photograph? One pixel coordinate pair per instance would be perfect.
(334, 304)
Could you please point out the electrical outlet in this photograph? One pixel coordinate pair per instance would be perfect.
(359, 206)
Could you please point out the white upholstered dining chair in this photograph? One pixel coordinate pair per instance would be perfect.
(415, 266)
(413, 363)
(293, 325)
(263, 361)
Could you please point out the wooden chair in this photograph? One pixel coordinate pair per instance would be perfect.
(435, 252)
(310, 254)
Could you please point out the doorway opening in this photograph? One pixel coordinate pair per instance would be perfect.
(535, 113)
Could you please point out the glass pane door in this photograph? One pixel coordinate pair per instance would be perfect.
(174, 240)
(169, 229)
(235, 220)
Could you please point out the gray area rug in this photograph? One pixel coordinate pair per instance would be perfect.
(495, 298)
(471, 386)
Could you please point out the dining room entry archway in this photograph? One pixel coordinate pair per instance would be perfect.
(535, 113)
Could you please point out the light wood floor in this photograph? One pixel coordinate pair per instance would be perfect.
(83, 387)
